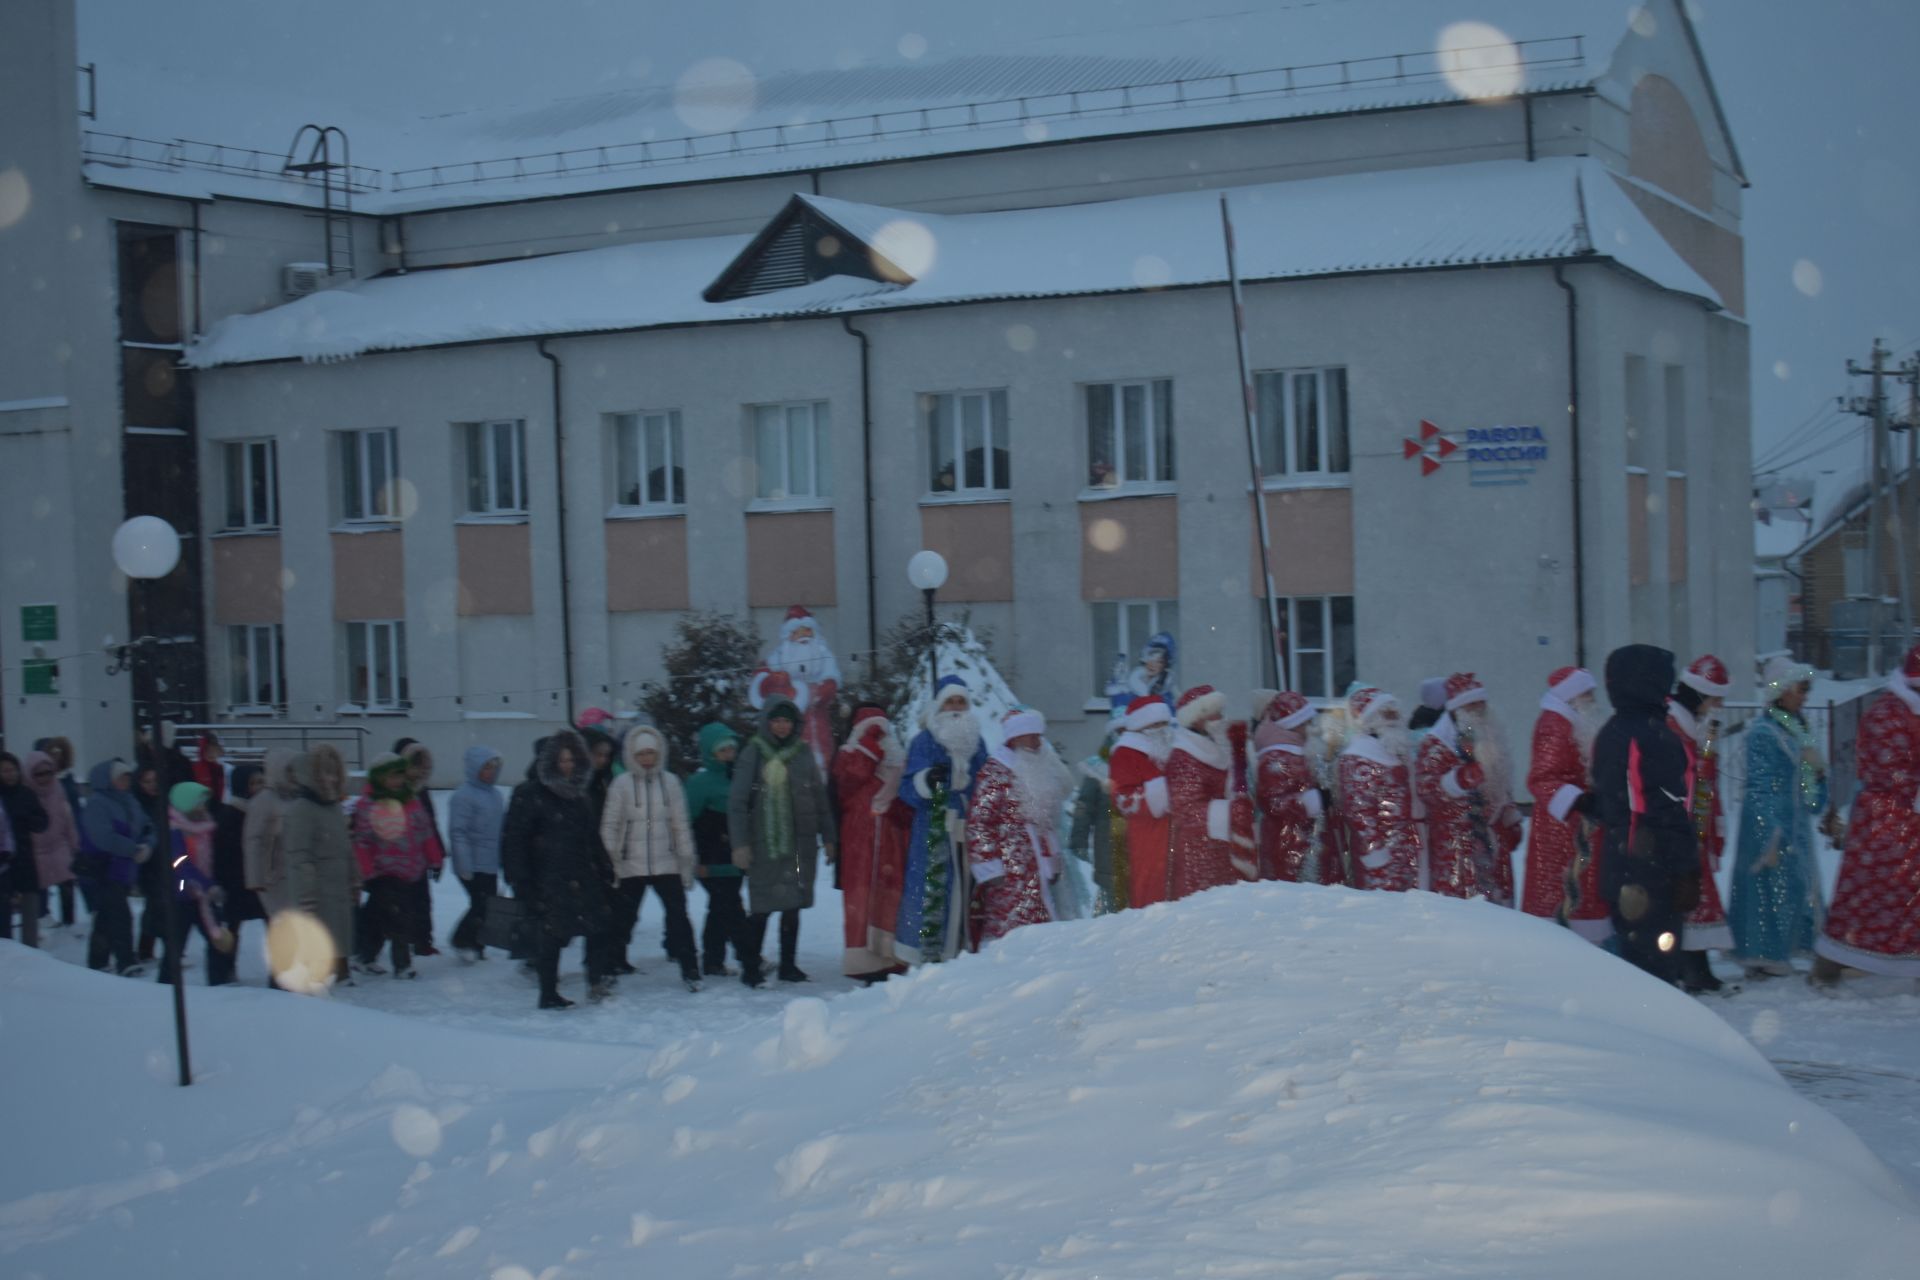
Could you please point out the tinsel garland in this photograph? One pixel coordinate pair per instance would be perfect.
(1797, 732)
(933, 916)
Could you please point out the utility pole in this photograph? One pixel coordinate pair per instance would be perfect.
(1910, 519)
(1873, 406)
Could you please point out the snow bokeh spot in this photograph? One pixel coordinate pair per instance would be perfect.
(415, 1130)
(1807, 278)
(904, 250)
(1035, 130)
(1479, 60)
(16, 196)
(1021, 337)
(1106, 534)
(1782, 370)
(715, 95)
(1784, 1208)
(1644, 23)
(912, 45)
(300, 949)
(1151, 272)
(1765, 1028)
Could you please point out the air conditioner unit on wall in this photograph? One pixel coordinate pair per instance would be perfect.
(298, 279)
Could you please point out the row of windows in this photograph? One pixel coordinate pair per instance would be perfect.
(1301, 422)
(1316, 647)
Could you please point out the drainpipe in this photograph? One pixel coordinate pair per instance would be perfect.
(1573, 444)
(198, 278)
(866, 486)
(560, 490)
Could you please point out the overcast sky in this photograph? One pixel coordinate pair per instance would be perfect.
(1824, 98)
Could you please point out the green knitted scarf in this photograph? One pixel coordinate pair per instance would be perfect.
(773, 825)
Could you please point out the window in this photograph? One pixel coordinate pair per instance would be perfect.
(377, 666)
(1121, 629)
(650, 469)
(1853, 567)
(253, 484)
(967, 441)
(1302, 418)
(1129, 433)
(1316, 644)
(496, 467)
(256, 667)
(369, 470)
(793, 446)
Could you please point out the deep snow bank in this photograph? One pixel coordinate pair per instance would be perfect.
(1271, 1079)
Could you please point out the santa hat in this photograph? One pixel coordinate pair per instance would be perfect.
(1569, 683)
(1781, 674)
(1020, 722)
(948, 686)
(1464, 689)
(1197, 703)
(1366, 706)
(1910, 669)
(1708, 676)
(866, 720)
(1433, 693)
(1261, 705)
(1146, 711)
(797, 617)
(1290, 710)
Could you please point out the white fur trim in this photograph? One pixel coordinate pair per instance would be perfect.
(1203, 748)
(1466, 699)
(1158, 798)
(1022, 723)
(1450, 783)
(1365, 746)
(1299, 717)
(1684, 718)
(1898, 687)
(1700, 684)
(1246, 869)
(991, 869)
(1287, 747)
(1563, 709)
(1219, 820)
(920, 784)
(1447, 731)
(1310, 801)
(1200, 708)
(1562, 803)
(1869, 961)
(1377, 859)
(1581, 681)
(1706, 937)
(1155, 712)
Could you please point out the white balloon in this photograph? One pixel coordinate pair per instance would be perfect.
(146, 547)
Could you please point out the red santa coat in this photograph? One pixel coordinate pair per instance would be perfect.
(1141, 794)
(1460, 864)
(1376, 814)
(1013, 859)
(1210, 831)
(1706, 928)
(1557, 777)
(875, 824)
(1874, 923)
(1290, 810)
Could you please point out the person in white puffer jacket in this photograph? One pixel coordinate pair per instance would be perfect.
(644, 828)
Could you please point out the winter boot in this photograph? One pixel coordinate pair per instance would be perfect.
(719, 969)
(600, 990)
(554, 1000)
(690, 974)
(1696, 975)
(791, 972)
(755, 974)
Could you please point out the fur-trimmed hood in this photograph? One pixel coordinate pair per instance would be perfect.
(639, 738)
(546, 765)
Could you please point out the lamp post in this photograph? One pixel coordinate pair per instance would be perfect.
(928, 571)
(147, 548)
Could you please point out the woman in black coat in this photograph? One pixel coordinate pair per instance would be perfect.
(22, 879)
(551, 854)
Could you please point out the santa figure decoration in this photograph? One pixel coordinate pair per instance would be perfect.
(943, 767)
(1376, 795)
(1461, 775)
(1212, 829)
(1874, 923)
(875, 825)
(1292, 813)
(1151, 678)
(1564, 842)
(801, 667)
(1137, 768)
(1012, 849)
(1693, 714)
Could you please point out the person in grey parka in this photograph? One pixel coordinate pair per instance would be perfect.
(322, 876)
(262, 839)
(778, 818)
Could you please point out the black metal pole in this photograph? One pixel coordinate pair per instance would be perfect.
(169, 907)
(933, 640)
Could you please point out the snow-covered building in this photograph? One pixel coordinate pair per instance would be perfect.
(616, 311)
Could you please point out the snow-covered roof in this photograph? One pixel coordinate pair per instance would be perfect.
(1410, 219)
(1780, 538)
(459, 101)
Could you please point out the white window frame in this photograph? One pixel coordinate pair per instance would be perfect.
(253, 636)
(1160, 473)
(951, 450)
(1289, 467)
(484, 436)
(243, 453)
(1158, 612)
(362, 502)
(637, 425)
(1325, 656)
(389, 691)
(819, 454)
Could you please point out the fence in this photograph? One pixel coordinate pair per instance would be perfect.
(243, 740)
(1835, 723)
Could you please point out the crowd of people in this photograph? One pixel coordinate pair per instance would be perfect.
(942, 845)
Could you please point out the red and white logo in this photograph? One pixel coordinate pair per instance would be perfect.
(1432, 448)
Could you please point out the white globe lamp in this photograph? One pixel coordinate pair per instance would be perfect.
(146, 547)
(927, 570)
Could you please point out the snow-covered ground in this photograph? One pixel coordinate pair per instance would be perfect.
(1264, 1080)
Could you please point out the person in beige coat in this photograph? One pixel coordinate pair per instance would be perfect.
(644, 828)
(263, 838)
(322, 878)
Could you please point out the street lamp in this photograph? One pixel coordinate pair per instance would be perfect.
(928, 571)
(148, 548)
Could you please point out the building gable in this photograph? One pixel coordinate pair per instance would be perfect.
(799, 246)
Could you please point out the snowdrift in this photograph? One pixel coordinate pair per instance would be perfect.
(1263, 1080)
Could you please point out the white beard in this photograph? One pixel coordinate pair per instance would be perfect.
(1396, 739)
(959, 733)
(1041, 781)
(1586, 727)
(1159, 742)
(807, 661)
(1490, 752)
(1217, 730)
